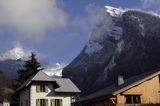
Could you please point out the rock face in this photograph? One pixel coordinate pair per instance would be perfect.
(124, 42)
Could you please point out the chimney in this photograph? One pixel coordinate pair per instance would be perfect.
(120, 80)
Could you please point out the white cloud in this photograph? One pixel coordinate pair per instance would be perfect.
(95, 13)
(31, 18)
(149, 3)
(16, 53)
(92, 16)
(20, 52)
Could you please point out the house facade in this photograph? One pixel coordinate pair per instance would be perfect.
(41, 90)
(141, 89)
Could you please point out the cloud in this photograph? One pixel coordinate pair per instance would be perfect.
(92, 17)
(31, 18)
(150, 3)
(95, 13)
(16, 53)
(21, 52)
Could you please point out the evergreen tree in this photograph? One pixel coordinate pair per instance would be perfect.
(31, 67)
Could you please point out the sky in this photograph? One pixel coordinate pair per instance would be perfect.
(56, 29)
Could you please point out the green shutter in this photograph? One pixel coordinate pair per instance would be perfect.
(61, 102)
(46, 102)
(46, 88)
(37, 88)
(52, 102)
(38, 102)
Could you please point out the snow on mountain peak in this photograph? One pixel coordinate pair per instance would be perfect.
(114, 11)
(109, 26)
(15, 54)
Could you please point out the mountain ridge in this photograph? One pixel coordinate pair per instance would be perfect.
(127, 46)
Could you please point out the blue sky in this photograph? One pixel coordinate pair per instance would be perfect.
(56, 29)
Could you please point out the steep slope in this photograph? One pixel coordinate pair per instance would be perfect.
(123, 43)
(87, 67)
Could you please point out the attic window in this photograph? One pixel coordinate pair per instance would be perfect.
(42, 88)
(133, 99)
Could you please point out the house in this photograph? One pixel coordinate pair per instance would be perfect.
(42, 90)
(140, 89)
(6, 103)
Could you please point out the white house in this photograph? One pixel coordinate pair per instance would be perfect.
(42, 90)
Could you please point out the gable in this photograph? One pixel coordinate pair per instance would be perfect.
(150, 86)
(131, 82)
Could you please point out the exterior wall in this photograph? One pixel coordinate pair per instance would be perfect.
(98, 102)
(6, 104)
(50, 95)
(24, 96)
(149, 91)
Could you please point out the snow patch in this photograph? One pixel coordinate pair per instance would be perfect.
(114, 11)
(54, 70)
(142, 29)
(115, 32)
(120, 46)
(93, 47)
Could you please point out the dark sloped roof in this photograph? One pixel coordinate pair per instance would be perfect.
(115, 89)
(65, 85)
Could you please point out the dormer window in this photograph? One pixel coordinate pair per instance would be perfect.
(42, 88)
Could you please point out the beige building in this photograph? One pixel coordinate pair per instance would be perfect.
(41, 90)
(141, 89)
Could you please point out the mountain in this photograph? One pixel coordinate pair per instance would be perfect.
(123, 43)
(14, 59)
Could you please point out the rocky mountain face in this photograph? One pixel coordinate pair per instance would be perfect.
(124, 42)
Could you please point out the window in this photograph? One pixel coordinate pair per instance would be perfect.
(42, 88)
(56, 102)
(133, 99)
(42, 102)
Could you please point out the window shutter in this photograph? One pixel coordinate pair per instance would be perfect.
(37, 88)
(38, 102)
(46, 88)
(52, 102)
(61, 102)
(46, 102)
